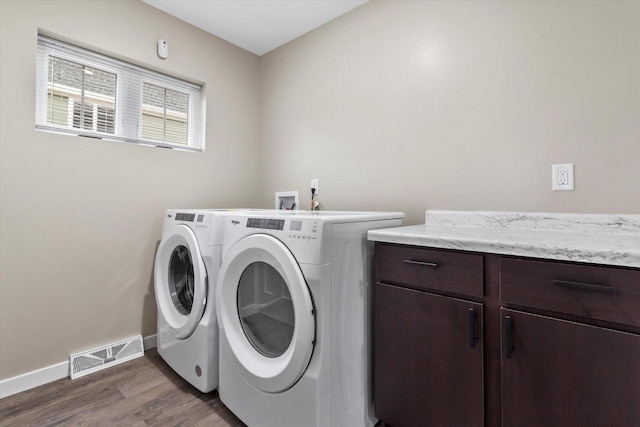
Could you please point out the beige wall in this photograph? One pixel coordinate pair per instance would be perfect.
(397, 105)
(409, 105)
(81, 218)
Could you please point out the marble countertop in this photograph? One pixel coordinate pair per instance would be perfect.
(590, 238)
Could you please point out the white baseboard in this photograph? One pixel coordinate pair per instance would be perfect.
(45, 375)
(33, 379)
(150, 342)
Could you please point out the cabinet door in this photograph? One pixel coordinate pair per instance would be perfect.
(560, 373)
(428, 359)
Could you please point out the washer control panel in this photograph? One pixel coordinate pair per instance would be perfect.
(187, 217)
(207, 227)
(195, 221)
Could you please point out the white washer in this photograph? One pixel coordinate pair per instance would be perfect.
(294, 306)
(186, 269)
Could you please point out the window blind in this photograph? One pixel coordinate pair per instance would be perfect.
(81, 92)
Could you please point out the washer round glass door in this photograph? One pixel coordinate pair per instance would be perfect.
(266, 311)
(180, 281)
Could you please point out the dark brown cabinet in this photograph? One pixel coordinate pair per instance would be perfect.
(428, 347)
(554, 343)
(428, 358)
(428, 269)
(561, 368)
(585, 291)
(561, 373)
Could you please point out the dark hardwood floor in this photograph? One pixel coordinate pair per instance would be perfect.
(141, 392)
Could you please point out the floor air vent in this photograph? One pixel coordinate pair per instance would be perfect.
(90, 361)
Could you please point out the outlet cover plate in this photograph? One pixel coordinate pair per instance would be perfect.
(562, 176)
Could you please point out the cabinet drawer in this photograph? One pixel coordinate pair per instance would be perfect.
(458, 273)
(604, 293)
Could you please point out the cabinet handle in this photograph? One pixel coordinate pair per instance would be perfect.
(472, 328)
(421, 263)
(585, 286)
(508, 340)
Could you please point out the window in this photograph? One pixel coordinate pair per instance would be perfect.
(81, 92)
(164, 114)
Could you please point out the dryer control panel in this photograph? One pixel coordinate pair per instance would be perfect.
(294, 229)
(303, 236)
(303, 230)
(266, 223)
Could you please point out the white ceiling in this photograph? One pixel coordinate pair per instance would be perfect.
(256, 25)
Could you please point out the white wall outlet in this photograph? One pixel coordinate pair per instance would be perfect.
(562, 177)
(314, 184)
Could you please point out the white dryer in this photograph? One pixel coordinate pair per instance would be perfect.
(186, 269)
(294, 306)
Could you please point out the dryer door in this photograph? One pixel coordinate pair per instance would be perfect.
(180, 281)
(265, 309)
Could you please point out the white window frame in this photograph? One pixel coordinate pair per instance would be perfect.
(167, 85)
(128, 99)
